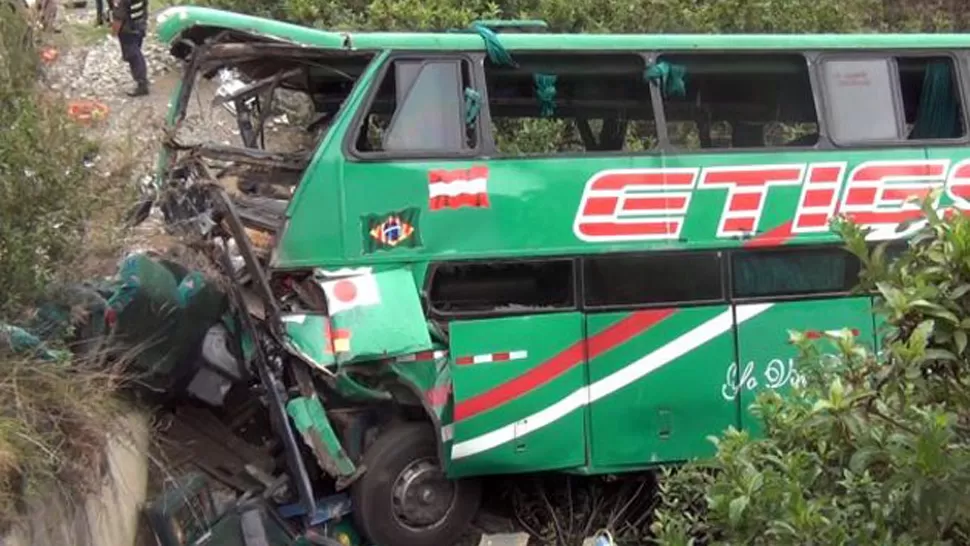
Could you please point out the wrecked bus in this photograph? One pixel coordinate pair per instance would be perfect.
(497, 250)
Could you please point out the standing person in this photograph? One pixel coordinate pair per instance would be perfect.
(48, 14)
(130, 22)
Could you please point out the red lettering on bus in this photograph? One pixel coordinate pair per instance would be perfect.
(651, 204)
(747, 187)
(820, 198)
(877, 191)
(635, 204)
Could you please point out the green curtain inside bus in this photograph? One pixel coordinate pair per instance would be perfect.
(473, 105)
(938, 114)
(493, 47)
(546, 94)
(670, 78)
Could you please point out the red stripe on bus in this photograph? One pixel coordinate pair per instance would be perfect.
(773, 237)
(745, 202)
(816, 219)
(600, 206)
(818, 197)
(616, 334)
(600, 229)
(739, 224)
(438, 396)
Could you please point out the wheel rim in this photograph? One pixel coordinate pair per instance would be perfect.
(422, 496)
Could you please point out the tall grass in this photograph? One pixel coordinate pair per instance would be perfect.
(46, 192)
(55, 417)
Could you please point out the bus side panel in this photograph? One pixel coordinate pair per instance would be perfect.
(770, 361)
(655, 384)
(519, 389)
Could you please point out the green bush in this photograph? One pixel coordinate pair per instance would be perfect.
(590, 15)
(873, 450)
(620, 15)
(46, 192)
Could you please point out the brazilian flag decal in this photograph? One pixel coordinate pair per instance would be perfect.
(397, 229)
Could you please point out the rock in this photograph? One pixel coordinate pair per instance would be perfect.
(505, 539)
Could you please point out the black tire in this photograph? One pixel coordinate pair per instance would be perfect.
(375, 516)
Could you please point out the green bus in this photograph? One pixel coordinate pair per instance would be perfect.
(499, 250)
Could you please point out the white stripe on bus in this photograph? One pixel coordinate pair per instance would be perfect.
(609, 384)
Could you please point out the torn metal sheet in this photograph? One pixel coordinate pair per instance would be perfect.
(379, 312)
(354, 390)
(312, 423)
(310, 337)
(429, 375)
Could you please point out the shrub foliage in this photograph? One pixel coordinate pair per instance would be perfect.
(46, 192)
(873, 449)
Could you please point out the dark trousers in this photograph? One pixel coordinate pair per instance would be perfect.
(131, 52)
(101, 12)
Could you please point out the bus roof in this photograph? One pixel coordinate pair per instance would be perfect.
(175, 22)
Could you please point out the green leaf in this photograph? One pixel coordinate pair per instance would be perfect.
(960, 338)
(736, 509)
(939, 354)
(862, 458)
(836, 389)
(960, 291)
(935, 310)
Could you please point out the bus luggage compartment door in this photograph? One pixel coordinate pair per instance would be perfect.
(655, 378)
(767, 358)
(519, 390)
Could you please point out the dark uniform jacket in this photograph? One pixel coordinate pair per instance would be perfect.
(133, 15)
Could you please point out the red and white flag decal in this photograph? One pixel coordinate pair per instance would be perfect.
(816, 334)
(458, 188)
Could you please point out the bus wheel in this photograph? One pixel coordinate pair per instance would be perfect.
(404, 498)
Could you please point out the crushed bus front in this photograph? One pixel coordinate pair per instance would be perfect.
(337, 353)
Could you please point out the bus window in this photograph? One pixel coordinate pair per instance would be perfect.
(652, 279)
(891, 99)
(793, 272)
(418, 107)
(557, 104)
(741, 101)
(477, 288)
(860, 101)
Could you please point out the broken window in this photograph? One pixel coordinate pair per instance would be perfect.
(889, 99)
(497, 287)
(794, 272)
(273, 103)
(653, 279)
(552, 104)
(717, 101)
(420, 107)
(250, 115)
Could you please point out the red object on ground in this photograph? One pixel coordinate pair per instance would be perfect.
(87, 111)
(48, 55)
(110, 317)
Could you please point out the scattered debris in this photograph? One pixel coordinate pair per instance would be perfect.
(505, 539)
(87, 111)
(49, 54)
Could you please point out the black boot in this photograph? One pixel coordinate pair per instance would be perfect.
(140, 90)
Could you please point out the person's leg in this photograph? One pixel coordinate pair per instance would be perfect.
(139, 66)
(48, 13)
(131, 52)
